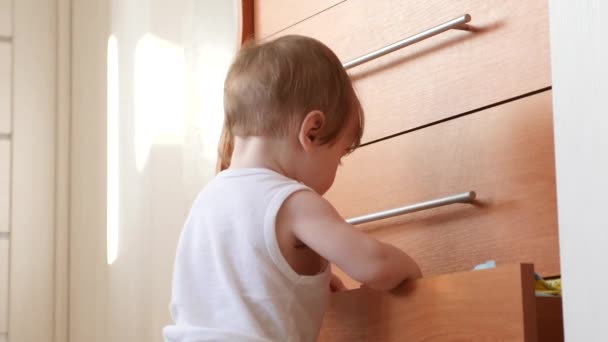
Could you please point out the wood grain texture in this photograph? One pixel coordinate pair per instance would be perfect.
(488, 305)
(274, 15)
(247, 20)
(451, 73)
(549, 319)
(504, 153)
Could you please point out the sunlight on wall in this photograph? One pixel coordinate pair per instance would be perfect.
(159, 96)
(213, 66)
(113, 183)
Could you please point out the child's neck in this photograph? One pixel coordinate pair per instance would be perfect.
(276, 154)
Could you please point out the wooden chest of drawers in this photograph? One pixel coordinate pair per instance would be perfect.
(490, 305)
(505, 56)
(463, 110)
(504, 153)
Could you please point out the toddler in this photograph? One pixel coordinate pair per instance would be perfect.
(253, 260)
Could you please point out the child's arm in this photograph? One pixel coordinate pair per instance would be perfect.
(316, 223)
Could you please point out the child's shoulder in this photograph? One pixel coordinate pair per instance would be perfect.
(252, 179)
(256, 183)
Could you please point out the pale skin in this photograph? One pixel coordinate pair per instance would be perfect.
(310, 232)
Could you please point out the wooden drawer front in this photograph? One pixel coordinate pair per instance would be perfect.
(549, 319)
(504, 153)
(490, 305)
(5, 88)
(271, 16)
(451, 73)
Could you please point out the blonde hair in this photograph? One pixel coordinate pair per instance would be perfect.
(270, 87)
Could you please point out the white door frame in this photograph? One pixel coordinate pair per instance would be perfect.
(32, 260)
(579, 51)
(39, 240)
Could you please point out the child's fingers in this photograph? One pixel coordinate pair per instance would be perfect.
(336, 284)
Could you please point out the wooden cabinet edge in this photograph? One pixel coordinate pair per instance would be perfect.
(358, 309)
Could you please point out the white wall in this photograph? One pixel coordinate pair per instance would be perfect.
(33, 228)
(88, 272)
(160, 86)
(579, 32)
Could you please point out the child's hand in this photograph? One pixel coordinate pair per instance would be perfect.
(336, 284)
(318, 225)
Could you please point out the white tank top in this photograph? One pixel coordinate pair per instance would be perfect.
(231, 281)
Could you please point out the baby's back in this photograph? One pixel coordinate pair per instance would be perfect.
(231, 281)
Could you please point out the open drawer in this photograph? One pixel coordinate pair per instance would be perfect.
(490, 305)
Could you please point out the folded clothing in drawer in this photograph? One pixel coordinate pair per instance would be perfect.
(548, 287)
(542, 287)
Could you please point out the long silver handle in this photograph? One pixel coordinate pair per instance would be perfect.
(456, 23)
(467, 197)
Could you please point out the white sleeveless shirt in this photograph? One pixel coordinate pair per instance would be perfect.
(231, 281)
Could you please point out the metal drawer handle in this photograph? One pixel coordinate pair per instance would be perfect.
(467, 197)
(457, 23)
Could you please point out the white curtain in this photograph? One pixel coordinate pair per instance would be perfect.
(167, 60)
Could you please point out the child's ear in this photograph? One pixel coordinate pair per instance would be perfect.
(310, 129)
